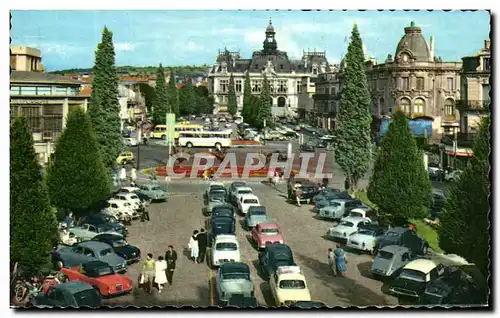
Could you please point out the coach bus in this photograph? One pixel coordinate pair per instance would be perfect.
(160, 131)
(205, 139)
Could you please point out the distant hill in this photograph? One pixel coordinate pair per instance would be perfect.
(146, 70)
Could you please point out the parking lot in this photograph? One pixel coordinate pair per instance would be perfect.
(173, 222)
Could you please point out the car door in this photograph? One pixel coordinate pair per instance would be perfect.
(74, 257)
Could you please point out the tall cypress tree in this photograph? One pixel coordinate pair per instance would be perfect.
(232, 106)
(353, 149)
(464, 219)
(187, 99)
(77, 177)
(33, 226)
(173, 94)
(264, 112)
(399, 183)
(247, 93)
(104, 109)
(160, 105)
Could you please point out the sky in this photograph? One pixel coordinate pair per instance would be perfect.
(67, 39)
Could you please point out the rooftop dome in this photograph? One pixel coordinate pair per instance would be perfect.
(270, 27)
(413, 42)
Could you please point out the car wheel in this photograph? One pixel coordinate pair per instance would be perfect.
(189, 145)
(58, 265)
(164, 137)
(218, 146)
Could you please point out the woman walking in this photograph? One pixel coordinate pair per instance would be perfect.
(193, 246)
(340, 261)
(160, 276)
(148, 273)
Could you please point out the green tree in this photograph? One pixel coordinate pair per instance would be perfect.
(353, 153)
(464, 219)
(173, 94)
(232, 106)
(247, 93)
(264, 113)
(149, 94)
(104, 109)
(187, 99)
(204, 101)
(77, 177)
(399, 184)
(33, 226)
(253, 109)
(160, 105)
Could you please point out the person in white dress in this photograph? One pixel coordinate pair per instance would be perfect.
(123, 174)
(160, 275)
(133, 175)
(193, 246)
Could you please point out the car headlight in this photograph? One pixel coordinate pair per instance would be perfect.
(281, 241)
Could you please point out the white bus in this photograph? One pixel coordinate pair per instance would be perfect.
(206, 139)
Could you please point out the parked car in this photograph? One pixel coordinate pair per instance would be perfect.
(216, 193)
(125, 157)
(215, 201)
(330, 199)
(101, 276)
(74, 294)
(453, 175)
(437, 204)
(88, 231)
(364, 212)
(308, 147)
(389, 260)
(365, 238)
(339, 208)
(235, 196)
(346, 227)
(214, 185)
(225, 210)
(273, 256)
(101, 218)
(289, 285)
(225, 249)
(154, 191)
(131, 198)
(254, 216)
(404, 237)
(267, 233)
(233, 279)
(221, 225)
(130, 141)
(309, 190)
(123, 249)
(240, 301)
(330, 194)
(118, 208)
(70, 256)
(246, 201)
(231, 190)
(416, 276)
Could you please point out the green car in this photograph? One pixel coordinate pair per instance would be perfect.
(154, 191)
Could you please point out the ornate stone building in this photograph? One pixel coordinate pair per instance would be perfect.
(327, 99)
(291, 81)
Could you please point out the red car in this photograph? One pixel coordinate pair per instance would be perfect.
(100, 275)
(267, 233)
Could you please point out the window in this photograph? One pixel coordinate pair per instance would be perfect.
(256, 86)
(106, 252)
(292, 284)
(52, 124)
(404, 105)
(15, 90)
(299, 87)
(61, 91)
(486, 64)
(32, 114)
(282, 66)
(486, 92)
(315, 71)
(405, 58)
(226, 246)
(419, 106)
(223, 86)
(74, 90)
(52, 110)
(45, 91)
(238, 86)
(405, 82)
(282, 86)
(256, 66)
(28, 90)
(449, 107)
(450, 83)
(420, 83)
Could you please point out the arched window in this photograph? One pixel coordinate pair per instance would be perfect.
(449, 107)
(419, 106)
(281, 101)
(405, 105)
(381, 103)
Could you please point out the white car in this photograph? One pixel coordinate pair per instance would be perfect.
(225, 248)
(130, 142)
(117, 208)
(240, 191)
(365, 239)
(228, 125)
(288, 285)
(346, 227)
(328, 138)
(360, 213)
(452, 176)
(131, 198)
(246, 201)
(213, 185)
(337, 208)
(129, 190)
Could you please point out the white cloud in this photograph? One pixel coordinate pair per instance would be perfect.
(61, 50)
(125, 47)
(193, 47)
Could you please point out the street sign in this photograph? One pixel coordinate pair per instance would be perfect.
(170, 122)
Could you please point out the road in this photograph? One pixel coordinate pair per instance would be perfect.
(174, 221)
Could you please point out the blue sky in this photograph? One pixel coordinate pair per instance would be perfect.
(68, 39)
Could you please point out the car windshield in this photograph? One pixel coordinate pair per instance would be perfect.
(356, 214)
(119, 243)
(412, 274)
(88, 298)
(134, 197)
(254, 211)
(292, 284)
(110, 219)
(335, 204)
(106, 252)
(346, 224)
(367, 232)
(226, 246)
(244, 191)
(259, 218)
(389, 238)
(270, 231)
(156, 189)
(236, 276)
(221, 228)
(385, 255)
(250, 201)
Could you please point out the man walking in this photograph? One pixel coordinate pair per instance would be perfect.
(331, 261)
(202, 245)
(171, 258)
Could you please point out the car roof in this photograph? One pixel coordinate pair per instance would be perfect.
(216, 184)
(254, 208)
(73, 286)
(226, 238)
(394, 249)
(421, 265)
(94, 244)
(249, 196)
(397, 230)
(239, 184)
(277, 248)
(244, 188)
(112, 236)
(129, 188)
(234, 267)
(353, 219)
(268, 225)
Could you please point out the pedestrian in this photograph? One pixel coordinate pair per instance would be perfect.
(69, 220)
(133, 176)
(171, 258)
(202, 245)
(340, 260)
(123, 174)
(205, 175)
(331, 261)
(144, 213)
(298, 192)
(193, 246)
(160, 275)
(276, 177)
(148, 273)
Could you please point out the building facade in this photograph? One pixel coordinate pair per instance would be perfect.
(132, 104)
(43, 99)
(291, 81)
(327, 99)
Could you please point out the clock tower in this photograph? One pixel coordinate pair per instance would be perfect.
(270, 45)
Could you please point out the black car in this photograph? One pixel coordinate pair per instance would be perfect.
(437, 203)
(308, 147)
(309, 191)
(454, 288)
(105, 220)
(308, 304)
(225, 210)
(73, 294)
(130, 253)
(221, 225)
(240, 301)
(412, 282)
(273, 256)
(404, 237)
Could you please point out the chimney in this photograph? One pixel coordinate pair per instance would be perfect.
(487, 44)
(431, 56)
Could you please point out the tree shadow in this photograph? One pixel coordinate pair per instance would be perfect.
(365, 269)
(251, 242)
(344, 287)
(258, 270)
(265, 289)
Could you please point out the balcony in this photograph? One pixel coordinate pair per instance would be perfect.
(473, 104)
(463, 140)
